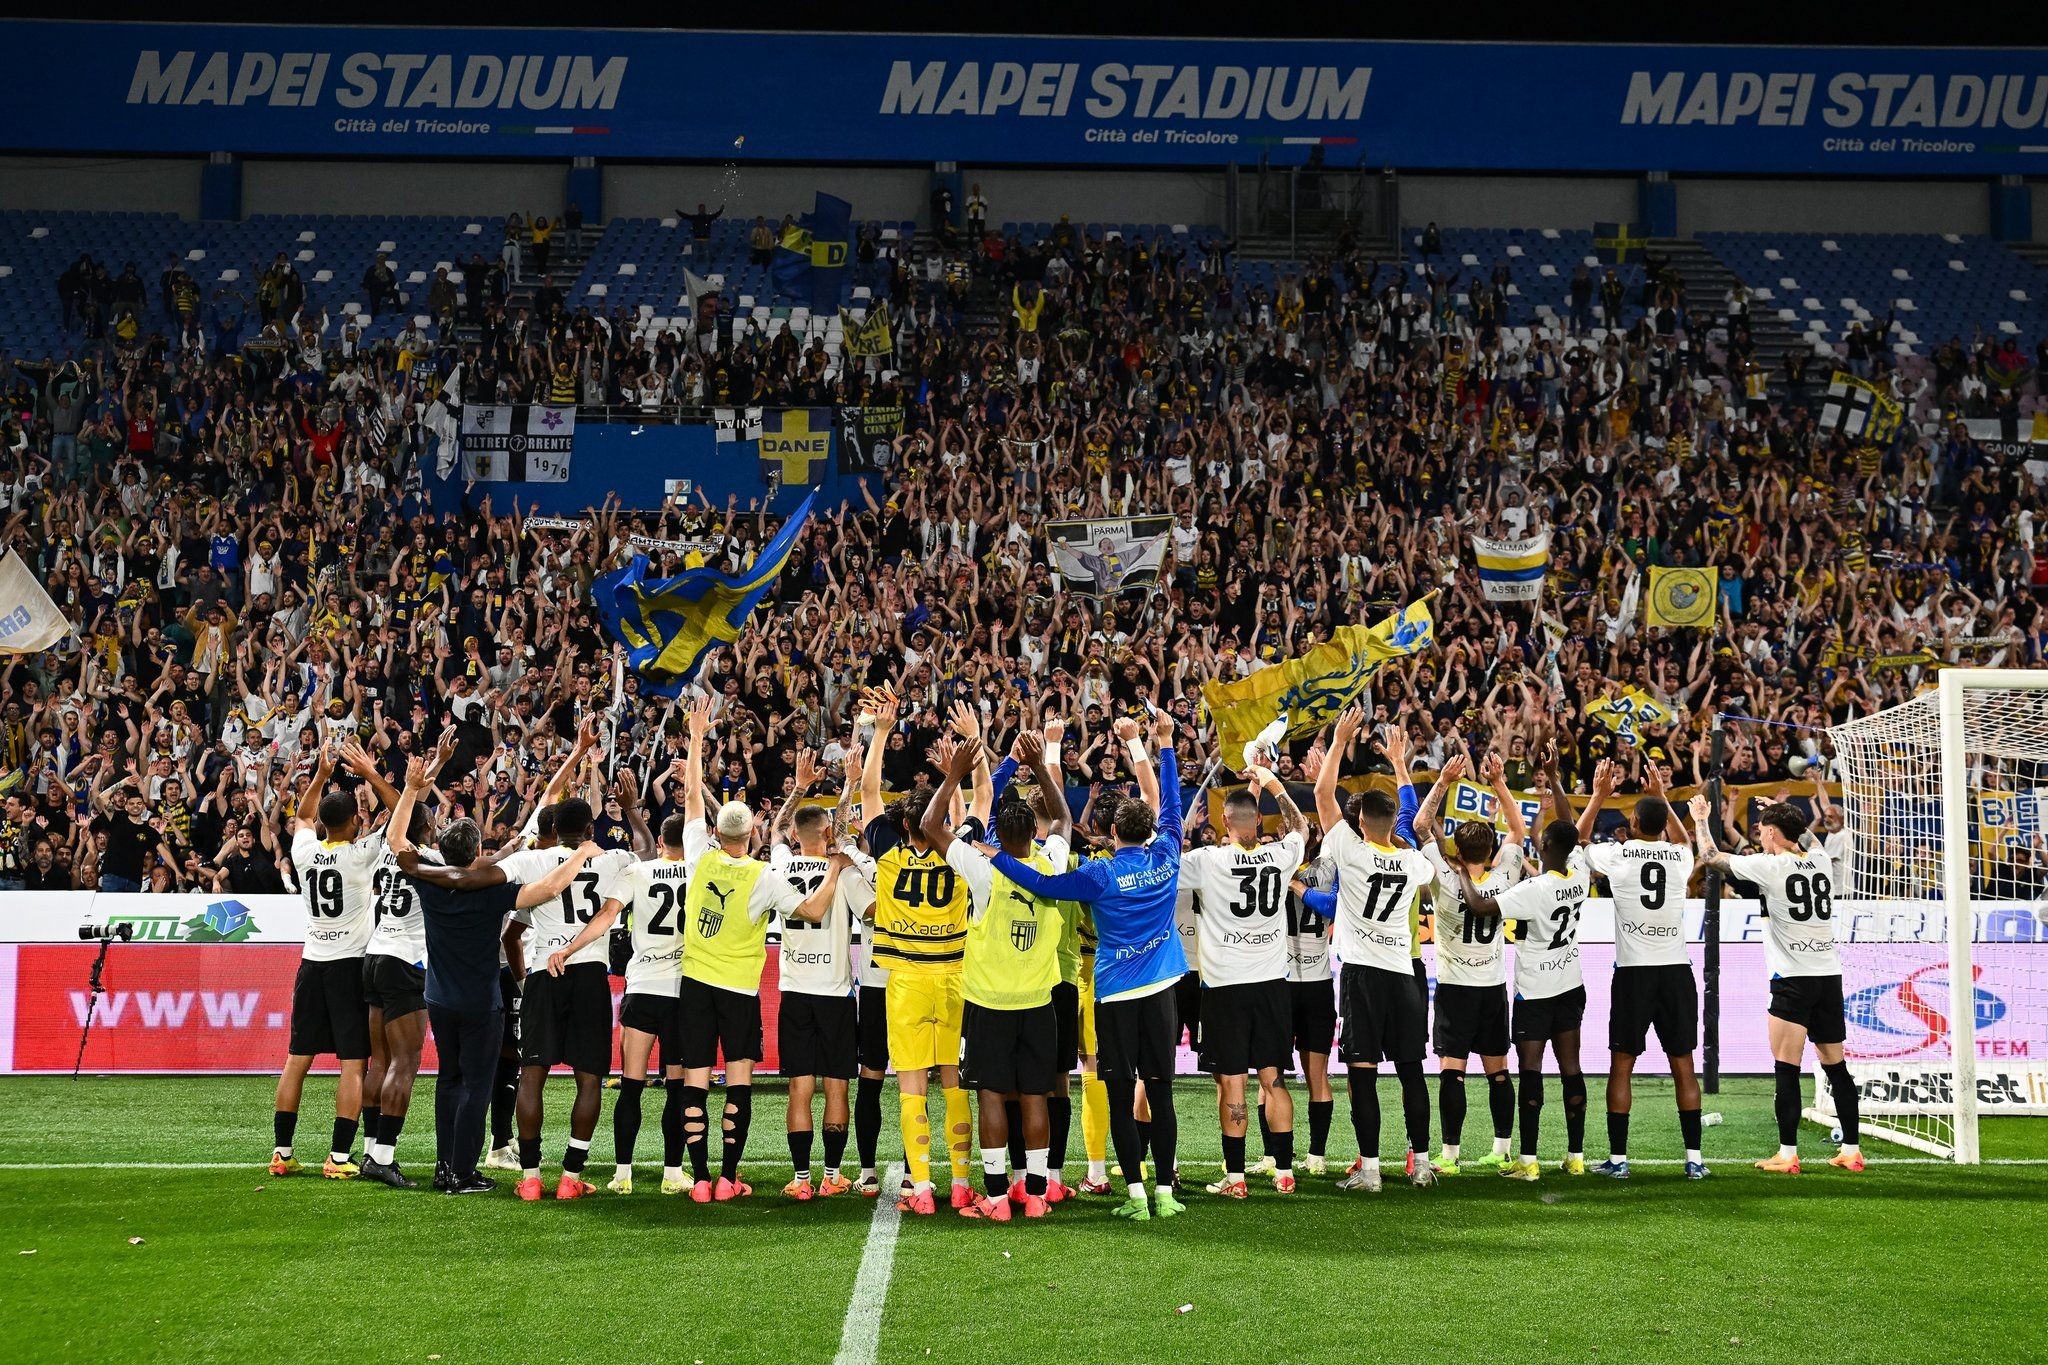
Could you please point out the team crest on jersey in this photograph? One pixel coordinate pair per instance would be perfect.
(1023, 933)
(710, 921)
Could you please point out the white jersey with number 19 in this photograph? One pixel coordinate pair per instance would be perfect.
(341, 897)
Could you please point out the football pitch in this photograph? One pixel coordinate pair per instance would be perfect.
(137, 1220)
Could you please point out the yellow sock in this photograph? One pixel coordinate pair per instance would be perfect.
(1095, 1117)
(916, 1128)
(959, 1131)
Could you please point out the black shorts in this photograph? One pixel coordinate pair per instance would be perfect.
(1187, 1006)
(393, 985)
(508, 1002)
(874, 1028)
(1470, 1019)
(1384, 1017)
(328, 1013)
(816, 1036)
(1246, 1027)
(1314, 1007)
(1137, 1039)
(1066, 1048)
(567, 1019)
(1008, 1051)
(717, 1020)
(1663, 997)
(1812, 1002)
(1538, 1021)
(659, 1015)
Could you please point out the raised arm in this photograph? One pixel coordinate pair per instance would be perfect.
(1127, 733)
(1710, 857)
(1604, 778)
(933, 827)
(1496, 774)
(1052, 797)
(693, 762)
(884, 707)
(1404, 783)
(1169, 781)
(1329, 809)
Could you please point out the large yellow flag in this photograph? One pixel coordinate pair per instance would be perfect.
(1312, 689)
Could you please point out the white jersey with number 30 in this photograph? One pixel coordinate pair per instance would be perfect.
(1240, 922)
(1798, 893)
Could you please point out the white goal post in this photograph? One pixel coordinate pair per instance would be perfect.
(1940, 872)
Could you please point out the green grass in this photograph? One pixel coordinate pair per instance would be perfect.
(1907, 1262)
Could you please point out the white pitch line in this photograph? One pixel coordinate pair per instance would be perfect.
(256, 1167)
(861, 1338)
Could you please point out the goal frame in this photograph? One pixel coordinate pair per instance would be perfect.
(1953, 686)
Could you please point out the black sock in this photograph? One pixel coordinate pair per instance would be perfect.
(372, 1117)
(1365, 1113)
(1265, 1133)
(1847, 1101)
(835, 1145)
(1450, 1099)
(283, 1124)
(696, 1130)
(573, 1157)
(1144, 1142)
(1165, 1134)
(1617, 1134)
(504, 1095)
(389, 1126)
(1787, 1104)
(995, 1184)
(1059, 1117)
(1532, 1112)
(1319, 1114)
(867, 1119)
(529, 1154)
(1283, 1149)
(1574, 1087)
(1415, 1105)
(800, 1153)
(1500, 1099)
(626, 1120)
(739, 1099)
(344, 1137)
(1689, 1128)
(1013, 1114)
(1123, 1129)
(672, 1128)
(1233, 1155)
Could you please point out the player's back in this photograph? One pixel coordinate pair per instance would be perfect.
(1646, 878)
(1470, 949)
(1798, 895)
(556, 923)
(920, 926)
(401, 930)
(338, 882)
(654, 892)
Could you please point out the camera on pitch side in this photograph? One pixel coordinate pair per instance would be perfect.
(123, 931)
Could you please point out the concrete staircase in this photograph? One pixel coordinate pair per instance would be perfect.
(1707, 282)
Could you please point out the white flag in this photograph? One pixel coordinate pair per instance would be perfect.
(695, 287)
(29, 621)
(750, 426)
(725, 425)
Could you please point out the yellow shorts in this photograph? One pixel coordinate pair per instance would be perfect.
(1086, 985)
(924, 1021)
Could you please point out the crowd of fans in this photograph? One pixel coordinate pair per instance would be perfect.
(226, 506)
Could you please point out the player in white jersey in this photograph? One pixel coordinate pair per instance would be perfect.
(1550, 993)
(328, 1015)
(1471, 960)
(872, 1027)
(1378, 996)
(1797, 889)
(817, 1026)
(394, 980)
(1312, 1000)
(1240, 889)
(1653, 984)
(650, 893)
(565, 1017)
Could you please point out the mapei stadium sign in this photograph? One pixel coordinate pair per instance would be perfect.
(197, 88)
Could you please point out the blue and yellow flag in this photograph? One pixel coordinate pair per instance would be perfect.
(1612, 242)
(670, 625)
(810, 260)
(1310, 691)
(1629, 711)
(1683, 597)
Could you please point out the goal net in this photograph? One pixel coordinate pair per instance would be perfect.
(1940, 868)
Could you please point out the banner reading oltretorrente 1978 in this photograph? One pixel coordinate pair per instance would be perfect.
(561, 93)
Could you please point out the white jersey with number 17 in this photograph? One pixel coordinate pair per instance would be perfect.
(1376, 890)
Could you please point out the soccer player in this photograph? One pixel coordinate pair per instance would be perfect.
(565, 1018)
(1797, 889)
(1247, 1012)
(394, 979)
(1550, 994)
(1653, 985)
(1378, 996)
(328, 1014)
(872, 1025)
(817, 1025)
(651, 892)
(1471, 960)
(1312, 1000)
(1009, 1028)
(1131, 895)
(733, 899)
(920, 933)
